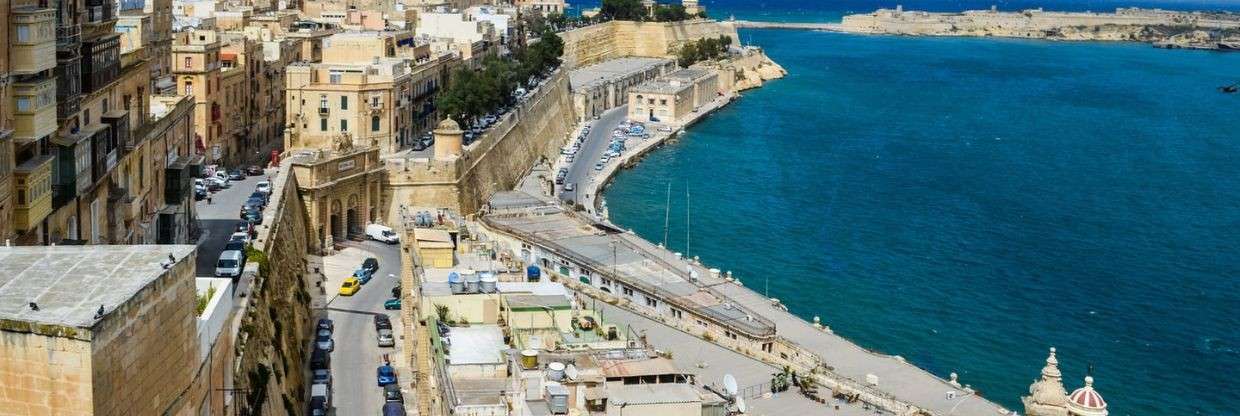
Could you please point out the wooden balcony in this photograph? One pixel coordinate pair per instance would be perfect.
(32, 48)
(33, 186)
(34, 110)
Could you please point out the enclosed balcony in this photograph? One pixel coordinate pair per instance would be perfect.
(72, 176)
(119, 121)
(33, 186)
(34, 109)
(101, 62)
(32, 44)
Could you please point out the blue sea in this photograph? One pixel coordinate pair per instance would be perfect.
(968, 203)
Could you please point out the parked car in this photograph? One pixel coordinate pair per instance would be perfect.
(371, 264)
(240, 236)
(264, 187)
(392, 304)
(598, 166)
(391, 394)
(254, 216)
(253, 170)
(382, 322)
(350, 286)
(215, 184)
(327, 324)
(320, 360)
(393, 409)
(259, 195)
(323, 341)
(385, 375)
(234, 245)
(362, 275)
(379, 232)
(322, 376)
(230, 264)
(318, 407)
(244, 227)
(385, 338)
(569, 187)
(236, 175)
(200, 193)
(396, 290)
(321, 391)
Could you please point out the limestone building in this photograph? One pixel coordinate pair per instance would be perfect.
(88, 330)
(670, 99)
(601, 87)
(341, 188)
(1047, 396)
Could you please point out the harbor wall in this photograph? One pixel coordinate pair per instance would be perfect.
(617, 39)
(1123, 25)
(533, 131)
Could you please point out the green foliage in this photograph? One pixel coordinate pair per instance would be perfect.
(441, 311)
(203, 300)
(670, 13)
(705, 49)
(473, 93)
(623, 10)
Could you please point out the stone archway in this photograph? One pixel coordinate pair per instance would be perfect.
(353, 219)
(335, 222)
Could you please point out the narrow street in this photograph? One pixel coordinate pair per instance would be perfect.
(218, 219)
(582, 168)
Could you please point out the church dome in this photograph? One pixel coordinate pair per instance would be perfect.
(1085, 401)
(1049, 389)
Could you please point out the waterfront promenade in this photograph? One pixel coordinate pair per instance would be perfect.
(750, 24)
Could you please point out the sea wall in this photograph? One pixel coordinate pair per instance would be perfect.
(274, 330)
(534, 130)
(616, 39)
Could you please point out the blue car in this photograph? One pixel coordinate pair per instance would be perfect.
(386, 375)
(363, 275)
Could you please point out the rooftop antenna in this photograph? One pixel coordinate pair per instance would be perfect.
(741, 408)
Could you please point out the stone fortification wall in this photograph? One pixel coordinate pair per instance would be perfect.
(597, 43)
(275, 327)
(1125, 24)
(533, 130)
(750, 69)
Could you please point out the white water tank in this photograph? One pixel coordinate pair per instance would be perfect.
(555, 371)
(486, 283)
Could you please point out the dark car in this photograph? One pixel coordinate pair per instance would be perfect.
(371, 264)
(253, 170)
(391, 393)
(396, 290)
(393, 409)
(318, 406)
(236, 175)
(200, 194)
(322, 376)
(234, 245)
(264, 196)
(255, 203)
(382, 322)
(327, 324)
(243, 227)
(320, 360)
(254, 216)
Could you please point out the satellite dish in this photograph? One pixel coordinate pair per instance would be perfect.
(740, 406)
(571, 372)
(729, 385)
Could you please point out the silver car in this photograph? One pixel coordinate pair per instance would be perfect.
(385, 338)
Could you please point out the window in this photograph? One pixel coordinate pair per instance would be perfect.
(768, 346)
(344, 102)
(676, 313)
(701, 323)
(23, 104)
(374, 101)
(606, 282)
(105, 106)
(729, 334)
(189, 88)
(322, 124)
(651, 302)
(663, 101)
(650, 101)
(23, 33)
(626, 290)
(189, 62)
(323, 102)
(333, 78)
(344, 125)
(374, 123)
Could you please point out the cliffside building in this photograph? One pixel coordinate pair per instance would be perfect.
(604, 86)
(670, 99)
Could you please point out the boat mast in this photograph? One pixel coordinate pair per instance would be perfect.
(667, 213)
(687, 223)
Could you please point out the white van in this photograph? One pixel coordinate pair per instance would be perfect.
(230, 264)
(382, 233)
(321, 391)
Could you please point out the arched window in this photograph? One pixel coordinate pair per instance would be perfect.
(189, 87)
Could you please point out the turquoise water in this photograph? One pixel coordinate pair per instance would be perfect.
(967, 203)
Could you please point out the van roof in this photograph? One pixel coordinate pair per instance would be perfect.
(231, 255)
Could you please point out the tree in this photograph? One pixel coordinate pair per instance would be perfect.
(670, 13)
(623, 10)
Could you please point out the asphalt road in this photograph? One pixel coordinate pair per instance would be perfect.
(218, 220)
(357, 355)
(582, 168)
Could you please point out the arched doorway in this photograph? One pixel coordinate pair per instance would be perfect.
(335, 223)
(352, 218)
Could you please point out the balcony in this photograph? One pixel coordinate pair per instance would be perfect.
(72, 162)
(68, 84)
(323, 111)
(118, 120)
(177, 182)
(32, 49)
(32, 183)
(102, 150)
(101, 64)
(34, 110)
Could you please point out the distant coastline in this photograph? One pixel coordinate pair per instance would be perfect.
(1162, 28)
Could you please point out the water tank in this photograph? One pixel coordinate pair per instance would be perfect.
(533, 273)
(555, 371)
(557, 399)
(529, 359)
(471, 281)
(455, 283)
(486, 283)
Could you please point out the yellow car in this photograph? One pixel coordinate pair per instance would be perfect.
(350, 286)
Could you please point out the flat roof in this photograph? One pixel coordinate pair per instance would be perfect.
(611, 70)
(537, 302)
(665, 393)
(69, 283)
(479, 344)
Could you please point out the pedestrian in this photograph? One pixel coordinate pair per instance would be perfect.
(208, 199)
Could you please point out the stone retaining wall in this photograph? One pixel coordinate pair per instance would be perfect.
(616, 39)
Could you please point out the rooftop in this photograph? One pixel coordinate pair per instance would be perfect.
(537, 302)
(480, 344)
(607, 71)
(637, 394)
(69, 283)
